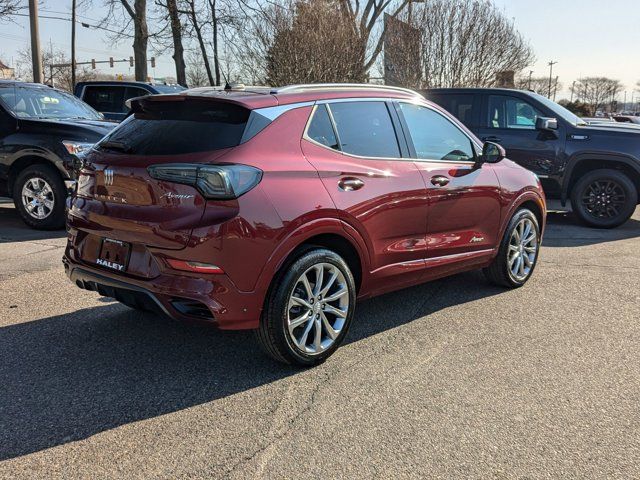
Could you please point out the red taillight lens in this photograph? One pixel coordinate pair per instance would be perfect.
(217, 182)
(189, 266)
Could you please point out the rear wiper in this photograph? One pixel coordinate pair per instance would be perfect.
(112, 145)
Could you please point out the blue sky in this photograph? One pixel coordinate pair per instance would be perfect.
(585, 37)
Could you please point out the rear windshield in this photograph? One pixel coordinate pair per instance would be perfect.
(179, 127)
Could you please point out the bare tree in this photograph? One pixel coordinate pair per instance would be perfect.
(215, 23)
(172, 16)
(365, 18)
(59, 77)
(598, 91)
(9, 7)
(196, 72)
(135, 14)
(303, 52)
(193, 12)
(539, 84)
(256, 23)
(467, 42)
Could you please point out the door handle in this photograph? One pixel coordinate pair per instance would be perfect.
(439, 180)
(491, 138)
(348, 184)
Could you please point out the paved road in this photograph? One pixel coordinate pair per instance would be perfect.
(450, 379)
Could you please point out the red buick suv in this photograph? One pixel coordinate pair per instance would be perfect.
(277, 209)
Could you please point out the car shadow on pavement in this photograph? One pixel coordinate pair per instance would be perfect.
(13, 229)
(68, 377)
(565, 230)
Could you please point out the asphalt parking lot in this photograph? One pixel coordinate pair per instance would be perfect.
(455, 378)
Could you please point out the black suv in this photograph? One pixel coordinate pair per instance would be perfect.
(42, 132)
(109, 97)
(597, 167)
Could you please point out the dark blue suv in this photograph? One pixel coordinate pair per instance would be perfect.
(109, 97)
(596, 167)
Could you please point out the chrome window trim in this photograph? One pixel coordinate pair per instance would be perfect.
(417, 101)
(305, 136)
(274, 112)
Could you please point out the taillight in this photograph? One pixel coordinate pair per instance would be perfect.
(221, 182)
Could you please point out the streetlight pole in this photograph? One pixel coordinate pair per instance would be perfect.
(36, 55)
(551, 64)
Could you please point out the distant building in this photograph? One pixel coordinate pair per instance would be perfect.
(6, 72)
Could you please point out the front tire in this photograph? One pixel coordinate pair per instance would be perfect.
(309, 309)
(518, 253)
(604, 198)
(39, 195)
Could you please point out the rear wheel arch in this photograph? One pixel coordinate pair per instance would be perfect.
(585, 164)
(343, 247)
(331, 240)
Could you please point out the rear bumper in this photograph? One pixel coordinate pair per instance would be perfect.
(213, 300)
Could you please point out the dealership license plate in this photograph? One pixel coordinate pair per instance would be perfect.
(114, 254)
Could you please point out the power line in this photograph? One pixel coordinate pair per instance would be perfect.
(84, 24)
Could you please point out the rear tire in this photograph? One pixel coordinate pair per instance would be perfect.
(518, 253)
(304, 321)
(39, 195)
(604, 198)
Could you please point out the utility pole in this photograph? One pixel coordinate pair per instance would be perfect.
(551, 64)
(530, 73)
(73, 45)
(36, 56)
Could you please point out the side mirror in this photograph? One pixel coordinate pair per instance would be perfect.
(546, 123)
(492, 153)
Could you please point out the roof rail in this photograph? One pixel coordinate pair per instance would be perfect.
(316, 86)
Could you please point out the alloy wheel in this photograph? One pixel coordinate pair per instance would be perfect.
(317, 309)
(523, 249)
(604, 199)
(38, 198)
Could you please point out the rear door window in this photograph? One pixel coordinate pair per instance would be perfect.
(365, 129)
(179, 127)
(107, 99)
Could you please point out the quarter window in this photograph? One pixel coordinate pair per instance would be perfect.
(365, 129)
(511, 112)
(435, 137)
(321, 129)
